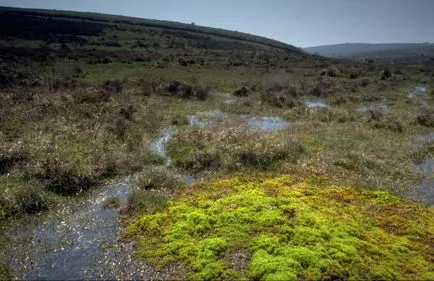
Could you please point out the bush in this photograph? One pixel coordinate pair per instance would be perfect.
(385, 74)
(187, 91)
(180, 120)
(242, 92)
(146, 87)
(322, 89)
(112, 86)
(426, 119)
(201, 93)
(279, 100)
(354, 75)
(333, 72)
(280, 94)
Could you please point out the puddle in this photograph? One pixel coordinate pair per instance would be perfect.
(206, 119)
(424, 191)
(429, 137)
(79, 241)
(268, 124)
(159, 145)
(418, 91)
(378, 107)
(426, 167)
(316, 104)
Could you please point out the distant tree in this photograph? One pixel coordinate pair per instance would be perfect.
(193, 23)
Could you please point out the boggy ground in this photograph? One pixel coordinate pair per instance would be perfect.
(353, 135)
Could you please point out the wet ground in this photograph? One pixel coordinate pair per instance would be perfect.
(316, 103)
(424, 191)
(383, 108)
(80, 239)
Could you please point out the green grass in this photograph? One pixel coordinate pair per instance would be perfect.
(291, 230)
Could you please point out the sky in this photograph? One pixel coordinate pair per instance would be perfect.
(303, 23)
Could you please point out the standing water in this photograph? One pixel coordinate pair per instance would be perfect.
(80, 240)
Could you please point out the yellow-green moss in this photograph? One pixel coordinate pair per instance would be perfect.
(292, 231)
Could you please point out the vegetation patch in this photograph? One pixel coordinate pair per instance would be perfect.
(230, 148)
(19, 196)
(289, 230)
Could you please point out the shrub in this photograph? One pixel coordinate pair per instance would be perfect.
(112, 86)
(279, 100)
(180, 120)
(376, 115)
(426, 119)
(182, 61)
(146, 87)
(333, 72)
(128, 112)
(187, 91)
(385, 74)
(364, 83)
(201, 93)
(242, 92)
(354, 75)
(322, 89)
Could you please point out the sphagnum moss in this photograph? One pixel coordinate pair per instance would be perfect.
(292, 230)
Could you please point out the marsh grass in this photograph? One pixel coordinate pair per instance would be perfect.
(197, 150)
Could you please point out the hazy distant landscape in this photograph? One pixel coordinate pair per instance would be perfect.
(418, 53)
(144, 149)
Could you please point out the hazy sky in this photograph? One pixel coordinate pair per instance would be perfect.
(299, 22)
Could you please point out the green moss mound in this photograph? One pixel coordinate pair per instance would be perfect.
(289, 230)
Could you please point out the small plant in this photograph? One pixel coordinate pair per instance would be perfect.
(385, 74)
(112, 202)
(159, 178)
(145, 201)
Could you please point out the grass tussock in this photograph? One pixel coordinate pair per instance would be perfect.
(290, 231)
(19, 196)
(230, 148)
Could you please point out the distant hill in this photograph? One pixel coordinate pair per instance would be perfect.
(402, 52)
(17, 14)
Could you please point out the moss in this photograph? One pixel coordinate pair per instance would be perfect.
(292, 231)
